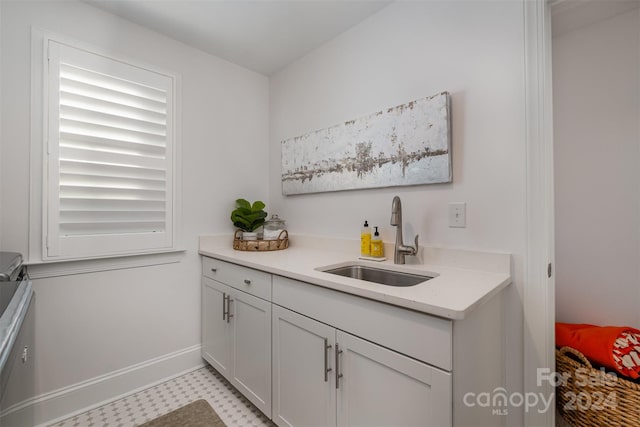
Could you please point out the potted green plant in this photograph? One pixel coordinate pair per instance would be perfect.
(248, 217)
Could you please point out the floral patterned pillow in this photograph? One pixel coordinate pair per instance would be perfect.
(626, 354)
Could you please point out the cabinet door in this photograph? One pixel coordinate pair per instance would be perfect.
(380, 387)
(303, 386)
(216, 336)
(251, 342)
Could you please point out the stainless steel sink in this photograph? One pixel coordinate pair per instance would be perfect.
(378, 275)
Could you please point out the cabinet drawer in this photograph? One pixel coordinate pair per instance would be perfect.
(251, 281)
(421, 336)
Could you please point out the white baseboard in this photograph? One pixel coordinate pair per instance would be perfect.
(59, 404)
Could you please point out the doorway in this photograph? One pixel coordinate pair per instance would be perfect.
(596, 112)
(596, 139)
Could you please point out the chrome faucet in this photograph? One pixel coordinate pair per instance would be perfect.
(401, 250)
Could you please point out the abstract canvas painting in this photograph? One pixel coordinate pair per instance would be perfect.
(405, 145)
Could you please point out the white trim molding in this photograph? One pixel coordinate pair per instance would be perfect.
(66, 402)
(66, 268)
(539, 287)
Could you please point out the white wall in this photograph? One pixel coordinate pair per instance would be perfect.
(1, 199)
(596, 79)
(407, 51)
(93, 324)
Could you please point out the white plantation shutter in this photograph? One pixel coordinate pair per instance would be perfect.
(110, 156)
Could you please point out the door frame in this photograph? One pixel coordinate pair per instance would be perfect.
(539, 285)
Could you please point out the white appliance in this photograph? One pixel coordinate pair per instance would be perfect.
(17, 301)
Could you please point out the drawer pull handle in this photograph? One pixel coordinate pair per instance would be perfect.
(224, 306)
(338, 374)
(229, 315)
(213, 270)
(247, 281)
(327, 369)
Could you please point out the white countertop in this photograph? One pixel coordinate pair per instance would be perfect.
(463, 279)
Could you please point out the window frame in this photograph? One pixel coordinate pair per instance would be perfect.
(98, 247)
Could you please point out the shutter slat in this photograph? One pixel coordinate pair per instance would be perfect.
(69, 180)
(102, 94)
(109, 121)
(116, 159)
(109, 216)
(104, 81)
(115, 109)
(89, 129)
(68, 140)
(84, 167)
(112, 205)
(72, 192)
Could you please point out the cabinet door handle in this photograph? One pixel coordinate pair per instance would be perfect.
(327, 369)
(229, 315)
(224, 306)
(247, 281)
(338, 374)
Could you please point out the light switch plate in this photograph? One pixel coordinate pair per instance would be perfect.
(458, 215)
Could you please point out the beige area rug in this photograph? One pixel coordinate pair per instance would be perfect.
(195, 414)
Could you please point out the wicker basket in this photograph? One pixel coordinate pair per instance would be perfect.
(282, 242)
(588, 397)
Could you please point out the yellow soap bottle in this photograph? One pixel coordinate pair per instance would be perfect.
(377, 247)
(365, 240)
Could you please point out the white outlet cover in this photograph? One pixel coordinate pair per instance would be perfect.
(458, 215)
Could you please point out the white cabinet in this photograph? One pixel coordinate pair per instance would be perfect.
(236, 339)
(379, 387)
(281, 342)
(216, 335)
(325, 377)
(251, 348)
(304, 392)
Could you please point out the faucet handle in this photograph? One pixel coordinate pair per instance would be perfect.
(417, 235)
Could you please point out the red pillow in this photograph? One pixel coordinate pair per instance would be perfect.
(614, 347)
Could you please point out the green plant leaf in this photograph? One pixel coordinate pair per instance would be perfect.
(258, 206)
(242, 203)
(241, 226)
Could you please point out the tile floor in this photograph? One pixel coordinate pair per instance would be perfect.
(205, 383)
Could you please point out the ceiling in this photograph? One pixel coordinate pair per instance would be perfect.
(262, 35)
